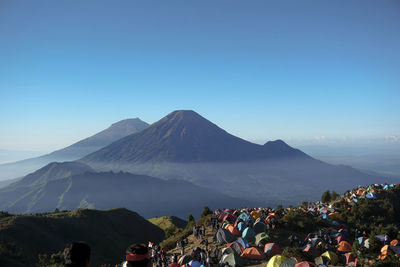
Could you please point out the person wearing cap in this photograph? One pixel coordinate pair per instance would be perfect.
(77, 254)
(137, 255)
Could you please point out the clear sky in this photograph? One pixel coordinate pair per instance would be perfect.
(294, 70)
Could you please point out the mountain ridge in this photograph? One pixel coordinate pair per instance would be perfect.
(184, 145)
(75, 151)
(183, 136)
(72, 185)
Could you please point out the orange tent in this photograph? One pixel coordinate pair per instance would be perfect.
(384, 252)
(344, 246)
(359, 192)
(233, 230)
(394, 242)
(253, 254)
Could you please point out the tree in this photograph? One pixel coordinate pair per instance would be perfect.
(190, 218)
(334, 195)
(374, 243)
(326, 197)
(206, 211)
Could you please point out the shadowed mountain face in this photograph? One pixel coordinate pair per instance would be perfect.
(184, 145)
(74, 151)
(72, 185)
(108, 233)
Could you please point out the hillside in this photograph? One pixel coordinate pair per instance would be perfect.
(108, 233)
(357, 227)
(184, 145)
(74, 151)
(170, 224)
(149, 196)
(165, 222)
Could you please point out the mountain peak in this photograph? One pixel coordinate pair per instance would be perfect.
(277, 142)
(126, 122)
(183, 114)
(186, 136)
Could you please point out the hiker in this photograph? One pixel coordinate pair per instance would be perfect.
(182, 247)
(174, 262)
(153, 254)
(216, 252)
(204, 230)
(77, 254)
(137, 255)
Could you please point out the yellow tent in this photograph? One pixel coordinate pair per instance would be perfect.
(255, 214)
(276, 261)
(331, 256)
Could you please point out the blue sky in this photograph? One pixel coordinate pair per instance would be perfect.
(295, 70)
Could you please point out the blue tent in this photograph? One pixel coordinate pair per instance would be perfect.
(249, 234)
(243, 242)
(371, 195)
(245, 217)
(241, 226)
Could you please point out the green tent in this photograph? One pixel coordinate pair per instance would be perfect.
(232, 259)
(291, 262)
(262, 239)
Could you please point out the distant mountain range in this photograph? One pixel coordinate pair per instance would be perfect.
(108, 233)
(74, 151)
(184, 145)
(71, 185)
(198, 163)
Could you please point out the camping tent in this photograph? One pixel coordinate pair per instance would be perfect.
(272, 249)
(249, 234)
(259, 227)
(262, 239)
(305, 264)
(233, 230)
(344, 246)
(331, 256)
(243, 242)
(236, 247)
(276, 261)
(291, 262)
(232, 259)
(223, 236)
(253, 254)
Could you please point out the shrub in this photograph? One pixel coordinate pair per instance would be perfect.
(206, 211)
(326, 197)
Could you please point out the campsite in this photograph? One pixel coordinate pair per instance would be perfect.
(336, 231)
